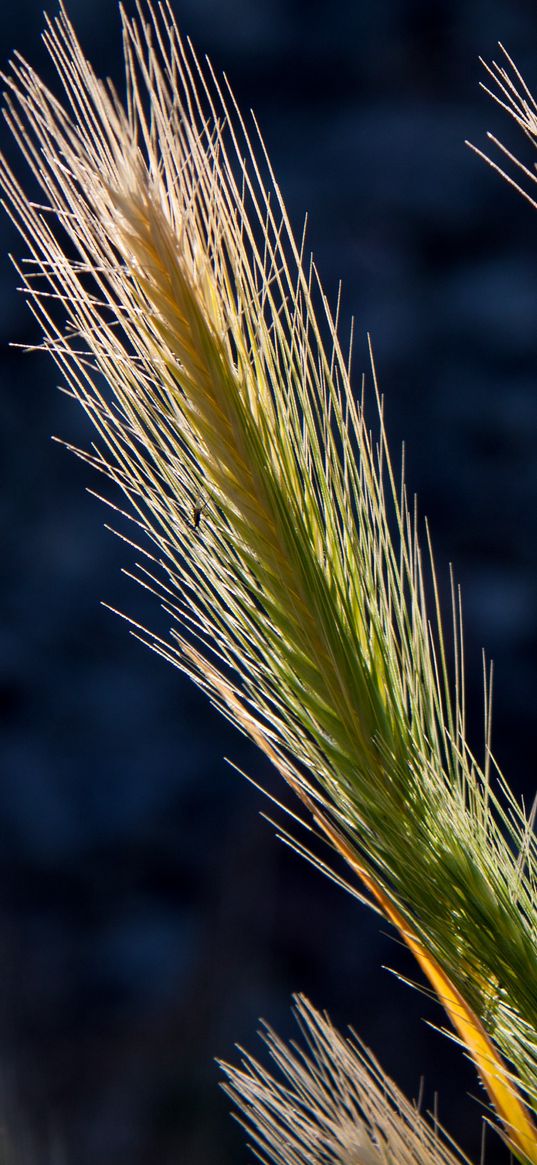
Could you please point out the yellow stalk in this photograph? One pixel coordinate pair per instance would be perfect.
(521, 1131)
(521, 1134)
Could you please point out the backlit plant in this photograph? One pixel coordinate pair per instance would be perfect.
(174, 298)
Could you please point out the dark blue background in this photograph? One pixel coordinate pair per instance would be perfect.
(148, 916)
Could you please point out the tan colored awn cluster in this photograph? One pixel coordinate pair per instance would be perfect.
(170, 291)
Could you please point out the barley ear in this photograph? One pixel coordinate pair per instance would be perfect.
(173, 296)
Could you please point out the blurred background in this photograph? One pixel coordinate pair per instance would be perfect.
(148, 915)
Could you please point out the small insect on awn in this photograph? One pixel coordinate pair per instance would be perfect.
(197, 510)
